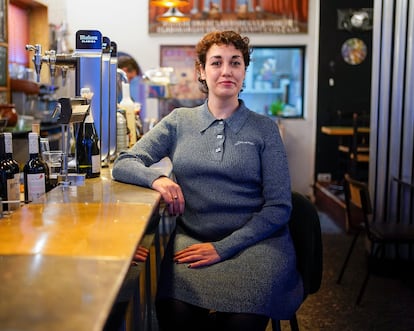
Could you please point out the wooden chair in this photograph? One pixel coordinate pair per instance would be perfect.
(380, 234)
(305, 230)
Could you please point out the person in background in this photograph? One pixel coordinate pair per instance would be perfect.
(136, 85)
(230, 264)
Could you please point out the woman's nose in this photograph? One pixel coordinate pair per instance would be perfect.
(227, 69)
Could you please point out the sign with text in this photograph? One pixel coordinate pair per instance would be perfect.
(243, 16)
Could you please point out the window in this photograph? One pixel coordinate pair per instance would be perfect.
(274, 81)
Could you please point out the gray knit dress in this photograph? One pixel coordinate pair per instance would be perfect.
(235, 180)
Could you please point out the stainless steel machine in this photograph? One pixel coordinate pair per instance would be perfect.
(94, 62)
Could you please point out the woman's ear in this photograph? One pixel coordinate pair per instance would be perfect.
(202, 72)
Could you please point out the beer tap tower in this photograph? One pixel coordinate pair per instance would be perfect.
(93, 64)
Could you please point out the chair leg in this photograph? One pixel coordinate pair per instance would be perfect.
(350, 250)
(374, 254)
(276, 325)
(363, 286)
(294, 326)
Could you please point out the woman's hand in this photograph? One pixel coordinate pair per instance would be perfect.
(198, 255)
(171, 193)
(141, 254)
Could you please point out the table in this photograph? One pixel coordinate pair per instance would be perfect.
(346, 142)
(63, 261)
(342, 130)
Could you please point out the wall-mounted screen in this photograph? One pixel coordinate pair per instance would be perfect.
(274, 83)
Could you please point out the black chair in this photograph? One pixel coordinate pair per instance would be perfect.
(307, 238)
(380, 234)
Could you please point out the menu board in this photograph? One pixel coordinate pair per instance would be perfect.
(3, 66)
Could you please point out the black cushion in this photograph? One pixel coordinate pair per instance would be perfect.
(305, 229)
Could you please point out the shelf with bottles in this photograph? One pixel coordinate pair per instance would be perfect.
(267, 87)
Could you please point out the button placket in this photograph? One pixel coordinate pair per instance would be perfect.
(219, 146)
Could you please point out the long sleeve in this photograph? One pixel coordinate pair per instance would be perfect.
(133, 166)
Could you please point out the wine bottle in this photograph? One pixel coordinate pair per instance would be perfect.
(6, 173)
(87, 149)
(13, 189)
(35, 172)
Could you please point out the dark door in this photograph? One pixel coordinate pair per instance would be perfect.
(344, 75)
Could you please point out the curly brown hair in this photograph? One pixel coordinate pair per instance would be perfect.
(220, 38)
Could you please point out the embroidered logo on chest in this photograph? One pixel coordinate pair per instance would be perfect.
(244, 143)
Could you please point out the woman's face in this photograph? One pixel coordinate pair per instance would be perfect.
(224, 71)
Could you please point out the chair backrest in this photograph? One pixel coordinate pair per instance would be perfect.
(357, 201)
(359, 149)
(305, 230)
(360, 137)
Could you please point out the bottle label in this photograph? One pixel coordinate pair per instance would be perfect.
(13, 191)
(36, 186)
(33, 143)
(8, 144)
(96, 164)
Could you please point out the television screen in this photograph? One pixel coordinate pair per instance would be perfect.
(274, 81)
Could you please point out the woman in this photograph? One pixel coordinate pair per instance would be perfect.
(231, 261)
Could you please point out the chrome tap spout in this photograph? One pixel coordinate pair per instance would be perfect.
(52, 65)
(37, 58)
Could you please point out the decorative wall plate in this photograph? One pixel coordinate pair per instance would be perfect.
(354, 51)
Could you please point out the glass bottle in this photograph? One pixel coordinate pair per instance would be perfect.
(129, 106)
(13, 189)
(6, 173)
(121, 131)
(87, 149)
(35, 172)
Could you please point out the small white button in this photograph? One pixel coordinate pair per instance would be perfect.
(218, 150)
(219, 136)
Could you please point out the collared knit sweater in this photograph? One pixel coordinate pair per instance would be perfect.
(235, 180)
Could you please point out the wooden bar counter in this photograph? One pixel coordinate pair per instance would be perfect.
(62, 262)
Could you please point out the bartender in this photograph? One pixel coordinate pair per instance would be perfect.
(136, 84)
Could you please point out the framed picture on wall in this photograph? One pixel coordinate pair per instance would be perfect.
(181, 59)
(243, 16)
(185, 91)
(3, 21)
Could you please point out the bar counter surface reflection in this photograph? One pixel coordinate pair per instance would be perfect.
(63, 262)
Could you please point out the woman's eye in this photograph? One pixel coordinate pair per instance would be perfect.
(236, 63)
(215, 63)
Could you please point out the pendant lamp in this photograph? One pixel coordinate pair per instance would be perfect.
(169, 3)
(173, 15)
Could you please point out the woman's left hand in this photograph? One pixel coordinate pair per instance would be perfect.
(198, 255)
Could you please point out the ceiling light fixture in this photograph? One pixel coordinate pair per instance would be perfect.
(169, 3)
(173, 15)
